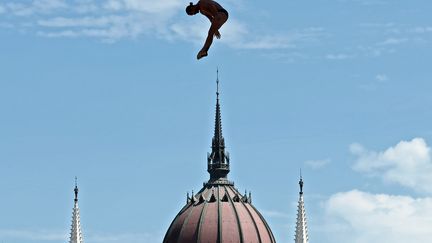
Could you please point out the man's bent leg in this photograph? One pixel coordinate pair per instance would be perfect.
(218, 22)
(207, 43)
(209, 39)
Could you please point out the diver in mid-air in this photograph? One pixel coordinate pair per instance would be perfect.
(217, 16)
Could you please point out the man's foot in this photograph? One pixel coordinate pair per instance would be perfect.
(201, 54)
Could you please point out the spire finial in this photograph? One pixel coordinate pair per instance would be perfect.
(301, 183)
(76, 189)
(217, 83)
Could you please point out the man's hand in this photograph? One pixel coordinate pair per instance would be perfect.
(217, 34)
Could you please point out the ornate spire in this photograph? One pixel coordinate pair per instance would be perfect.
(76, 235)
(218, 159)
(301, 233)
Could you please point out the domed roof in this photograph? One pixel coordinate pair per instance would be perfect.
(218, 213)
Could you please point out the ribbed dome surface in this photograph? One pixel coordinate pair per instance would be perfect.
(218, 213)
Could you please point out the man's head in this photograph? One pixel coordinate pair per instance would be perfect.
(192, 9)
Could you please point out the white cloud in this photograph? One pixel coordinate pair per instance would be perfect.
(113, 20)
(240, 37)
(60, 22)
(190, 32)
(149, 6)
(374, 50)
(422, 29)
(96, 19)
(393, 41)
(18, 9)
(381, 77)
(392, 36)
(275, 214)
(52, 235)
(87, 6)
(408, 164)
(236, 35)
(109, 28)
(317, 164)
(152, 6)
(340, 56)
(361, 217)
(366, 2)
(32, 235)
(35, 7)
(399, 32)
(266, 42)
(124, 237)
(113, 5)
(49, 5)
(6, 25)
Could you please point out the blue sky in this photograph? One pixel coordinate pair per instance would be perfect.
(110, 91)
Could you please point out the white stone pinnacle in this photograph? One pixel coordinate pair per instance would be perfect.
(301, 233)
(76, 235)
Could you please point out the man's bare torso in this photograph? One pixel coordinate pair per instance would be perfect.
(209, 7)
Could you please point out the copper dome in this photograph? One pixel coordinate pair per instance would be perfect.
(218, 213)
